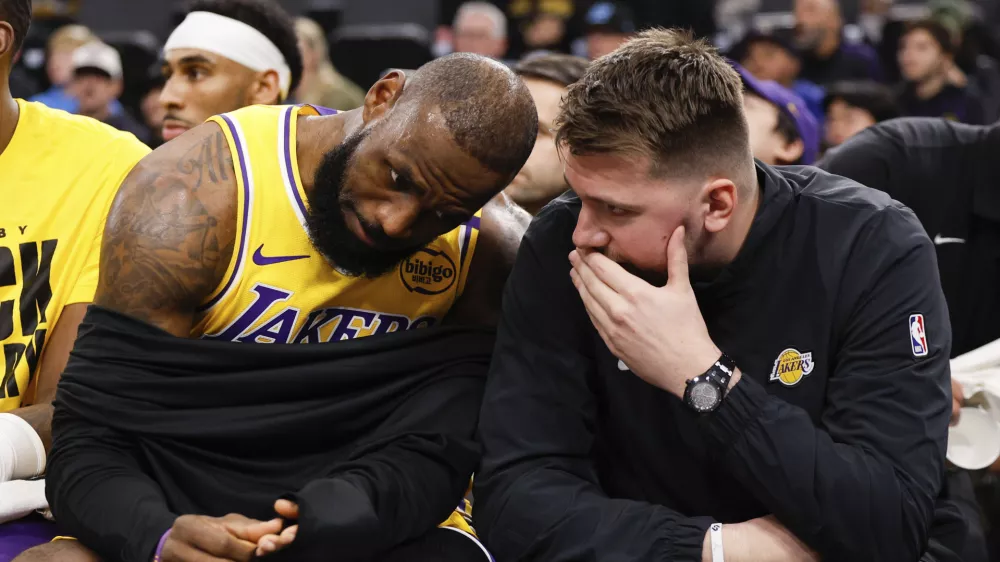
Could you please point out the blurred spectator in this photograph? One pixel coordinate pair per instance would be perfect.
(769, 57)
(321, 84)
(96, 84)
(152, 112)
(782, 129)
(208, 74)
(609, 24)
(853, 106)
(827, 57)
(480, 28)
(540, 25)
(59, 65)
(932, 88)
(541, 178)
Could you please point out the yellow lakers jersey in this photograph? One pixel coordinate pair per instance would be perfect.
(58, 177)
(279, 288)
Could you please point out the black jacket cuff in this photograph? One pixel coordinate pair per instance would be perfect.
(741, 407)
(688, 538)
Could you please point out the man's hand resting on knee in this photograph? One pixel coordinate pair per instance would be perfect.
(197, 538)
(275, 542)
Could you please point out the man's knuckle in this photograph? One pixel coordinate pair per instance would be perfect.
(619, 314)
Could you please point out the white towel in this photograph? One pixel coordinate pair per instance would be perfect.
(21, 497)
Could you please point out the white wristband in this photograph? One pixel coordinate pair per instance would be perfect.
(715, 534)
(22, 454)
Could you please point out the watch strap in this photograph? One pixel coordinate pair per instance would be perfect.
(723, 369)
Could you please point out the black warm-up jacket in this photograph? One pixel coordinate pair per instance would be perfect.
(949, 174)
(837, 427)
(372, 437)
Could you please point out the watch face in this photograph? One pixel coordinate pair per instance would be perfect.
(704, 396)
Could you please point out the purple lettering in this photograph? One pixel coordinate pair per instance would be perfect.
(309, 332)
(276, 330)
(391, 323)
(266, 297)
(344, 330)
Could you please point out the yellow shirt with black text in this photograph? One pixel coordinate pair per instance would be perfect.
(58, 177)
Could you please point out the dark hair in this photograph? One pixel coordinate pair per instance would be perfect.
(267, 17)
(487, 108)
(936, 30)
(741, 50)
(787, 128)
(554, 67)
(18, 14)
(665, 96)
(869, 95)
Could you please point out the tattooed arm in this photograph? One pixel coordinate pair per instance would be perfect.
(171, 231)
(502, 226)
(167, 243)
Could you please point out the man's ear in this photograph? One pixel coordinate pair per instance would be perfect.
(790, 153)
(720, 199)
(266, 89)
(383, 95)
(6, 40)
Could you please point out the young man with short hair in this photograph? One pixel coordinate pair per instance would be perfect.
(926, 59)
(702, 357)
(853, 106)
(541, 178)
(209, 72)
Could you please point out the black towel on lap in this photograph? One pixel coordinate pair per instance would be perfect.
(373, 437)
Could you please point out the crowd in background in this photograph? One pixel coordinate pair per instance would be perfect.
(937, 59)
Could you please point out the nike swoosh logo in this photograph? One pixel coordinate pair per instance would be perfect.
(261, 259)
(938, 240)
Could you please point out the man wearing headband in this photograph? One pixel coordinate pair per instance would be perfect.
(58, 175)
(292, 225)
(225, 55)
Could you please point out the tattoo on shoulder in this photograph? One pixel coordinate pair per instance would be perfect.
(170, 234)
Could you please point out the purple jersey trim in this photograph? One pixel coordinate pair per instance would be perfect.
(287, 131)
(246, 215)
(473, 223)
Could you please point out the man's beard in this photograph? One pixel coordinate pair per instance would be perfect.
(327, 225)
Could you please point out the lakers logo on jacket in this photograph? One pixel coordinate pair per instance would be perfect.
(791, 366)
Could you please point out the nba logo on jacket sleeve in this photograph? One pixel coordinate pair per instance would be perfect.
(918, 336)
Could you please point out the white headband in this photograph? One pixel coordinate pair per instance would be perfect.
(234, 40)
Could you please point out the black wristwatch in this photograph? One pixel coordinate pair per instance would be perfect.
(704, 393)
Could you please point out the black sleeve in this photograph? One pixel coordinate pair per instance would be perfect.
(99, 494)
(537, 493)
(405, 480)
(865, 158)
(863, 486)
